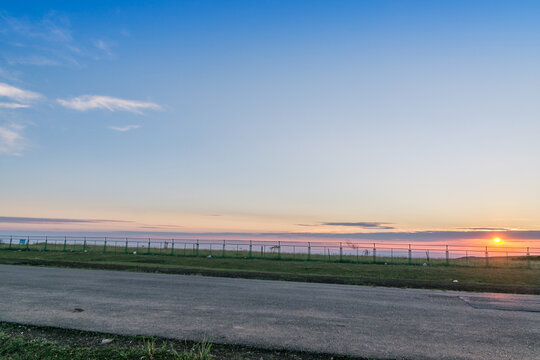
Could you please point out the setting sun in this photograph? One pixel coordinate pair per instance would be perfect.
(497, 240)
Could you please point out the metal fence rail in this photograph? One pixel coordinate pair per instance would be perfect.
(346, 252)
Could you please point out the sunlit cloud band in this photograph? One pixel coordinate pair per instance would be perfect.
(124, 128)
(37, 220)
(14, 93)
(92, 102)
(5, 105)
(11, 139)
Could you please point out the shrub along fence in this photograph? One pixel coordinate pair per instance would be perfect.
(345, 251)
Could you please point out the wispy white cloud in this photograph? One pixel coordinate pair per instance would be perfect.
(5, 105)
(46, 41)
(53, 27)
(91, 102)
(37, 60)
(125, 128)
(8, 75)
(12, 141)
(105, 46)
(14, 93)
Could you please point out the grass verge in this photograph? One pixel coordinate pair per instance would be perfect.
(24, 342)
(495, 279)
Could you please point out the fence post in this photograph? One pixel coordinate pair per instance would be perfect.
(172, 247)
(447, 256)
(84, 244)
(126, 247)
(10, 241)
(223, 252)
(65, 243)
(374, 253)
(250, 248)
(148, 251)
(309, 251)
(28, 244)
(45, 248)
(410, 255)
(279, 250)
(105, 245)
(197, 252)
(487, 260)
(528, 258)
(340, 252)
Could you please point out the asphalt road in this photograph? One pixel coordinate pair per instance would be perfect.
(363, 321)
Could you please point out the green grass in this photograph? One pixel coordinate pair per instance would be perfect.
(27, 342)
(502, 275)
(19, 348)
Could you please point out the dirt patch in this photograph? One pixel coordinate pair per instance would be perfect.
(421, 284)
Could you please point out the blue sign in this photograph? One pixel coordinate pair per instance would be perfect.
(22, 241)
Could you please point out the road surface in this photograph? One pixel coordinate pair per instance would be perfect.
(363, 321)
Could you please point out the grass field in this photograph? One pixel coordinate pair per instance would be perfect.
(348, 270)
(23, 342)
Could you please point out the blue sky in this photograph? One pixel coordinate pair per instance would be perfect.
(270, 116)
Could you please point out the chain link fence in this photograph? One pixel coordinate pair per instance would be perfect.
(346, 251)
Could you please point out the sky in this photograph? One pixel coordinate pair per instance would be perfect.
(364, 119)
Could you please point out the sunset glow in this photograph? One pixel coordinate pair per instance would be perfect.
(345, 124)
